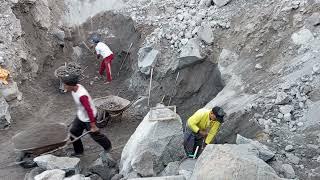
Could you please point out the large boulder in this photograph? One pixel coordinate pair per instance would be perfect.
(5, 117)
(49, 162)
(264, 152)
(190, 54)
(54, 174)
(230, 161)
(147, 59)
(153, 146)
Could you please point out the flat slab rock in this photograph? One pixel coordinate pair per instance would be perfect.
(55, 174)
(230, 161)
(50, 162)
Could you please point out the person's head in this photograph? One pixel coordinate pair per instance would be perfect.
(70, 82)
(217, 114)
(95, 39)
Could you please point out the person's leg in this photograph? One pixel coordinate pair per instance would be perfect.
(108, 71)
(102, 66)
(100, 138)
(189, 142)
(108, 67)
(198, 143)
(76, 130)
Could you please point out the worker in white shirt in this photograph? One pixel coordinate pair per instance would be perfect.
(104, 51)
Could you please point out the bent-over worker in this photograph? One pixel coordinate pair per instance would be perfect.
(86, 116)
(201, 129)
(104, 51)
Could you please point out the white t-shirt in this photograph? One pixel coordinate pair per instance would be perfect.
(81, 112)
(103, 50)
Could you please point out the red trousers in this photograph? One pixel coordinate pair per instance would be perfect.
(106, 65)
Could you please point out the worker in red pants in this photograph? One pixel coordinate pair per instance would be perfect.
(104, 51)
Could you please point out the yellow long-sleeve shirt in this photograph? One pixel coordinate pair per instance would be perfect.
(200, 120)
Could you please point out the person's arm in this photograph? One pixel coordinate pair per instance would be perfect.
(213, 132)
(193, 122)
(85, 103)
(97, 52)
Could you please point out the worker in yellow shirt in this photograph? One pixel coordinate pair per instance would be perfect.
(201, 129)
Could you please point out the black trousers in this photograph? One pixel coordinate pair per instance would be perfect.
(191, 141)
(77, 129)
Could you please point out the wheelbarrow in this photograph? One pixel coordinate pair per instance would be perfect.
(110, 107)
(67, 68)
(41, 139)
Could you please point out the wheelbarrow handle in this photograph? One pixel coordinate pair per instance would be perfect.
(77, 138)
(68, 142)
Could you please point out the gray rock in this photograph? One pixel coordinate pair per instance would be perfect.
(292, 158)
(306, 89)
(171, 169)
(286, 109)
(190, 54)
(315, 174)
(97, 177)
(117, 177)
(104, 167)
(316, 69)
(288, 171)
(5, 117)
(282, 98)
(221, 3)
(314, 19)
(153, 145)
(280, 116)
(10, 91)
(77, 53)
(41, 13)
(205, 3)
(59, 35)
(287, 117)
(77, 177)
(288, 148)
(302, 37)
(231, 161)
(31, 175)
(54, 174)
(179, 177)
(186, 167)
(264, 152)
(147, 59)
(205, 33)
(227, 57)
(49, 162)
(258, 66)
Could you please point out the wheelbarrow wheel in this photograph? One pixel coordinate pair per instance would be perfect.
(104, 121)
(28, 164)
(25, 160)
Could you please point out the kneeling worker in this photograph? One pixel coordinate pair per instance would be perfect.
(86, 116)
(201, 129)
